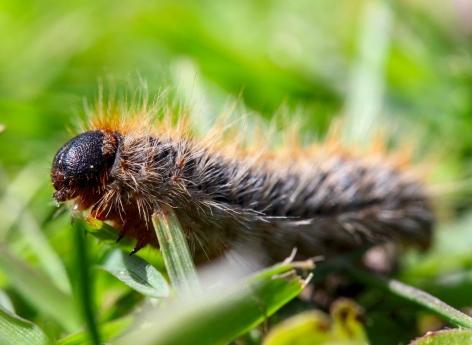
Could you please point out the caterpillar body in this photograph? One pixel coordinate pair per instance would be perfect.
(322, 204)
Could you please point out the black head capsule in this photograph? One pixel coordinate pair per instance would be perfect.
(82, 163)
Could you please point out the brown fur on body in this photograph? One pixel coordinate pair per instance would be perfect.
(322, 205)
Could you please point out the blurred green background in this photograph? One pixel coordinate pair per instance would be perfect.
(312, 56)
(405, 65)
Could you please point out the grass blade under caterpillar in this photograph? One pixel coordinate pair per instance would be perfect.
(176, 255)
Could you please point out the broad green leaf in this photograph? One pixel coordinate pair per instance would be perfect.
(316, 328)
(176, 254)
(108, 331)
(35, 287)
(218, 316)
(137, 274)
(446, 337)
(15, 330)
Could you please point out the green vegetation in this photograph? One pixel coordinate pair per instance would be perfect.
(405, 65)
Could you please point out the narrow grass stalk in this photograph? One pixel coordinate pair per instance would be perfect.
(177, 257)
(85, 281)
(38, 290)
(47, 256)
(365, 94)
(18, 194)
(430, 302)
(416, 296)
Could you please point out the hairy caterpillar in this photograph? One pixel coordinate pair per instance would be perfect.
(125, 168)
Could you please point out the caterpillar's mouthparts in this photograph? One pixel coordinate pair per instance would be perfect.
(81, 162)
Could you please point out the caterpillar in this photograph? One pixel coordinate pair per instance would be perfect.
(322, 202)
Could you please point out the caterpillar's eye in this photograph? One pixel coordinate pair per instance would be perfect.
(81, 162)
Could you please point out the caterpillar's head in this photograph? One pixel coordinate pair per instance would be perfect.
(83, 163)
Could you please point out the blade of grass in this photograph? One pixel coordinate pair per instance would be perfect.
(218, 316)
(191, 91)
(38, 290)
(48, 258)
(416, 296)
(85, 281)
(445, 337)
(108, 331)
(17, 195)
(5, 302)
(137, 274)
(15, 330)
(15, 200)
(365, 94)
(176, 254)
(430, 302)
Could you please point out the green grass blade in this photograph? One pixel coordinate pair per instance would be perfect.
(429, 302)
(48, 258)
(416, 296)
(218, 316)
(446, 337)
(40, 292)
(365, 94)
(176, 254)
(5, 302)
(137, 274)
(108, 331)
(15, 330)
(17, 195)
(13, 210)
(85, 281)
